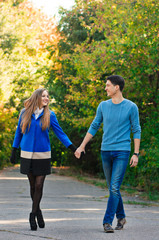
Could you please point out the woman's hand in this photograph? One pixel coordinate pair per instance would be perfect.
(13, 156)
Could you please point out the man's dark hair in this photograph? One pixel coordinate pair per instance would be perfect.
(117, 80)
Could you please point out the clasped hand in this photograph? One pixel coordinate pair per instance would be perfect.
(79, 153)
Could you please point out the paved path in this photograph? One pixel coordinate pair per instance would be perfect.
(72, 211)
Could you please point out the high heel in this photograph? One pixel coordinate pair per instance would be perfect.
(32, 221)
(40, 219)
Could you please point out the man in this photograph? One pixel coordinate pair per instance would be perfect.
(119, 116)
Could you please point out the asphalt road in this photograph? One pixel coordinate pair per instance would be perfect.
(72, 211)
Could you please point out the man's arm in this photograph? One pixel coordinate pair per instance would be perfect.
(91, 131)
(134, 159)
(81, 148)
(136, 129)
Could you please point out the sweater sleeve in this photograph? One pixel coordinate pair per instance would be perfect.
(18, 134)
(58, 130)
(97, 121)
(135, 123)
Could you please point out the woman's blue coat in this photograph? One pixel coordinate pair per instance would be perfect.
(36, 140)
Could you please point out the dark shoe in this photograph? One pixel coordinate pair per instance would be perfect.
(40, 219)
(120, 224)
(108, 228)
(32, 221)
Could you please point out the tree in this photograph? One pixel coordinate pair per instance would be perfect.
(116, 37)
(26, 39)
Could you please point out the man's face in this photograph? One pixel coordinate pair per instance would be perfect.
(111, 89)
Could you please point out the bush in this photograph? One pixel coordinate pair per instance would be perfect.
(8, 121)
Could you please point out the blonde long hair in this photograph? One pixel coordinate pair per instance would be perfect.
(31, 105)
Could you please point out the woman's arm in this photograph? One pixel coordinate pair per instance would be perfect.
(58, 130)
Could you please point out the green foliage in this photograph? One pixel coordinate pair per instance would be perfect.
(116, 37)
(95, 39)
(25, 35)
(7, 128)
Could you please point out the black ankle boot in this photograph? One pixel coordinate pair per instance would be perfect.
(32, 221)
(40, 219)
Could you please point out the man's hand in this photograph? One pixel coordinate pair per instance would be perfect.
(134, 161)
(79, 151)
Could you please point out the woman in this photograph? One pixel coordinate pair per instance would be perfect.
(32, 135)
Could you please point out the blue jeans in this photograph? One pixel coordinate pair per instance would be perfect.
(114, 166)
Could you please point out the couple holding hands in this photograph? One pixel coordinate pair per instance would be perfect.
(119, 116)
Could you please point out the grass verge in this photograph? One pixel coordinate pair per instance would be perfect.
(141, 198)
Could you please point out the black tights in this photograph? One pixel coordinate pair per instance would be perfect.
(36, 190)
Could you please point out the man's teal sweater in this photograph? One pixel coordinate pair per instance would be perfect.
(118, 122)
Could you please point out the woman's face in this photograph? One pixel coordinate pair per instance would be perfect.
(44, 99)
